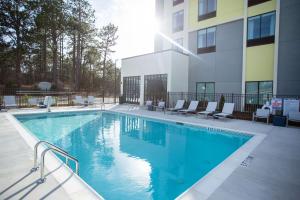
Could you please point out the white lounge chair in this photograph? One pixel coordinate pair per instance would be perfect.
(149, 105)
(10, 102)
(161, 105)
(178, 106)
(79, 101)
(226, 111)
(47, 101)
(32, 101)
(191, 109)
(293, 116)
(91, 100)
(210, 109)
(262, 114)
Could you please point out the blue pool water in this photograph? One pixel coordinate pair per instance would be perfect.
(128, 157)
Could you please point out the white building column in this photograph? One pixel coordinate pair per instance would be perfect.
(142, 90)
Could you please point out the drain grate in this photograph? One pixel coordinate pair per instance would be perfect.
(247, 161)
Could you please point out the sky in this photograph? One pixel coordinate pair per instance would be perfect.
(136, 22)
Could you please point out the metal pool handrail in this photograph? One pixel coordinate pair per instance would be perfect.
(59, 152)
(55, 148)
(35, 165)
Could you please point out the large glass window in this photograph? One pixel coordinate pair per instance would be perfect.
(261, 27)
(131, 89)
(205, 91)
(206, 39)
(258, 92)
(155, 87)
(178, 21)
(207, 9)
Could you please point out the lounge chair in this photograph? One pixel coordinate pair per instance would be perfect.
(79, 101)
(210, 109)
(262, 114)
(32, 101)
(293, 116)
(161, 105)
(47, 101)
(178, 106)
(191, 109)
(91, 100)
(10, 102)
(149, 105)
(226, 111)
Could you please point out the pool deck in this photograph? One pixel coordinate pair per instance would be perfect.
(272, 173)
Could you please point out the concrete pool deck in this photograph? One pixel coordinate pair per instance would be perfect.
(272, 173)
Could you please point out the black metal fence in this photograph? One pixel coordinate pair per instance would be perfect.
(61, 98)
(244, 104)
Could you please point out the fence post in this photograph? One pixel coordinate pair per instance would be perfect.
(168, 99)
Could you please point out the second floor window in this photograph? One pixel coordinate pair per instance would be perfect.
(176, 2)
(261, 29)
(206, 9)
(207, 40)
(178, 21)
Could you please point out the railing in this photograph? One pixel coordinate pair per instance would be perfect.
(61, 98)
(245, 104)
(51, 147)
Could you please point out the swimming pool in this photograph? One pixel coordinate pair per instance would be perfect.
(130, 157)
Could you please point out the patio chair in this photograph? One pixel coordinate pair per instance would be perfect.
(79, 101)
(32, 101)
(178, 106)
(226, 111)
(10, 102)
(47, 101)
(262, 114)
(210, 109)
(161, 105)
(149, 105)
(293, 116)
(191, 109)
(91, 100)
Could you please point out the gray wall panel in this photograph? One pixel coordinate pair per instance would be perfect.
(224, 67)
(289, 49)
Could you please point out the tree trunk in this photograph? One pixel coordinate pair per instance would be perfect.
(54, 57)
(18, 47)
(45, 54)
(74, 62)
(104, 74)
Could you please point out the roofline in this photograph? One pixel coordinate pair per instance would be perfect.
(156, 52)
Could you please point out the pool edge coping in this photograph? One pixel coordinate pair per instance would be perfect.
(205, 186)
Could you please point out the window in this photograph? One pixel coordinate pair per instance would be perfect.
(261, 29)
(255, 2)
(207, 40)
(206, 9)
(176, 2)
(205, 91)
(179, 44)
(258, 92)
(155, 87)
(131, 89)
(178, 21)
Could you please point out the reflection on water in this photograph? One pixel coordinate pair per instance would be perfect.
(126, 157)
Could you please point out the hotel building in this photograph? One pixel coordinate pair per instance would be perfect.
(219, 46)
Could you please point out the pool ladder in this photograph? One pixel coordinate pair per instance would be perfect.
(56, 149)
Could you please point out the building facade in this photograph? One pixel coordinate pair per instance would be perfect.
(232, 46)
